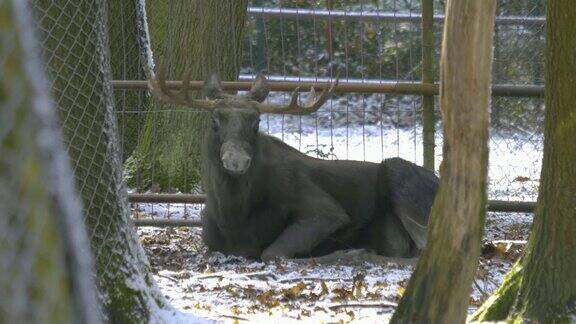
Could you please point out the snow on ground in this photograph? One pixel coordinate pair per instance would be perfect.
(227, 289)
(232, 289)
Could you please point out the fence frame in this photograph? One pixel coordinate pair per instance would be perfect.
(426, 88)
(493, 206)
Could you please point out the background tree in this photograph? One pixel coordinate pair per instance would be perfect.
(75, 47)
(542, 286)
(196, 36)
(439, 289)
(45, 263)
(125, 63)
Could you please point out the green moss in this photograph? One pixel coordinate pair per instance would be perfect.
(499, 306)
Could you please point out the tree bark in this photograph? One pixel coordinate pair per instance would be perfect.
(45, 264)
(439, 289)
(546, 283)
(75, 47)
(197, 36)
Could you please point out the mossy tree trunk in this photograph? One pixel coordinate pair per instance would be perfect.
(439, 289)
(75, 48)
(201, 37)
(45, 274)
(544, 281)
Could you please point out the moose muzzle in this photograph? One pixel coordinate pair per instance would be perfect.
(234, 157)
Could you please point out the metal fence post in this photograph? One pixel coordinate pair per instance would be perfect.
(260, 42)
(428, 120)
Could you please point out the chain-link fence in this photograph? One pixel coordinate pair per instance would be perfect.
(45, 263)
(366, 43)
(75, 49)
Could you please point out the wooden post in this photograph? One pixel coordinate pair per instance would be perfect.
(439, 289)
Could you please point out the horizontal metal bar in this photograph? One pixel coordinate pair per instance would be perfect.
(165, 222)
(511, 206)
(309, 14)
(509, 90)
(368, 86)
(384, 87)
(493, 205)
(166, 198)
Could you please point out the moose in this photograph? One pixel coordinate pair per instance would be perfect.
(267, 200)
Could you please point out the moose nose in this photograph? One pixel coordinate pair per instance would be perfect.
(234, 158)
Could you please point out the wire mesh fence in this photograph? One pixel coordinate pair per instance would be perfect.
(78, 82)
(45, 262)
(366, 42)
(75, 50)
(372, 42)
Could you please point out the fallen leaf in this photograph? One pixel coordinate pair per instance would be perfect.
(351, 314)
(342, 294)
(235, 310)
(325, 290)
(521, 179)
(294, 291)
(267, 299)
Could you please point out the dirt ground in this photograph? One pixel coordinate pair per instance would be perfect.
(233, 289)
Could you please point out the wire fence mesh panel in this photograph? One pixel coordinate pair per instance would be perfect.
(517, 139)
(45, 263)
(125, 62)
(364, 42)
(75, 49)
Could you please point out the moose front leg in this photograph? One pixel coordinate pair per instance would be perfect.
(317, 217)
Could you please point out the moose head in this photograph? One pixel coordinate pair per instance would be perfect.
(235, 118)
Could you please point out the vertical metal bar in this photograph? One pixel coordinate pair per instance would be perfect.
(428, 121)
(329, 7)
(260, 51)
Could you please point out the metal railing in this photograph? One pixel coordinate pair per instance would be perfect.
(309, 14)
(493, 206)
(424, 87)
(351, 85)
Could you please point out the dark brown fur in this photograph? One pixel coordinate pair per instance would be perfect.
(269, 200)
(288, 204)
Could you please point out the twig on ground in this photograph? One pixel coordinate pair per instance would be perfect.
(484, 294)
(227, 274)
(312, 279)
(233, 317)
(382, 304)
(167, 277)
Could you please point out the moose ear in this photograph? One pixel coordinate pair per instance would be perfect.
(212, 87)
(260, 89)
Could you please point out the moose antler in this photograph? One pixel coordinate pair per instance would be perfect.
(293, 108)
(158, 88)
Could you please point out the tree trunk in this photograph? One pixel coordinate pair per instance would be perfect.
(45, 274)
(197, 36)
(546, 281)
(439, 289)
(125, 62)
(75, 48)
